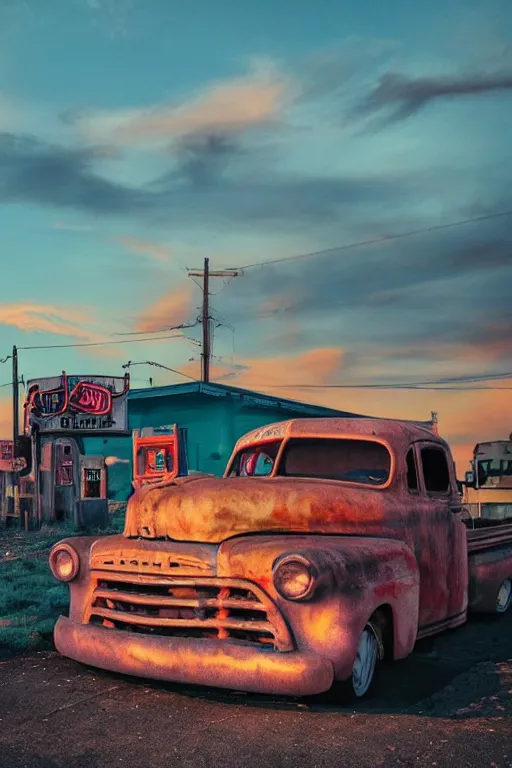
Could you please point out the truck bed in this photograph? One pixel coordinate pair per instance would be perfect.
(484, 534)
(489, 562)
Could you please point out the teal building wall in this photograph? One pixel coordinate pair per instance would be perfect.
(214, 415)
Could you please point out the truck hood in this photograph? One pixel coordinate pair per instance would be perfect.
(208, 509)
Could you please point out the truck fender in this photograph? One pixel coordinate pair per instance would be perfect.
(488, 570)
(360, 577)
(356, 575)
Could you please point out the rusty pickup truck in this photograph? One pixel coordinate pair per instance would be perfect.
(327, 546)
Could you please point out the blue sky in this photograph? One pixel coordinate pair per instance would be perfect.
(138, 136)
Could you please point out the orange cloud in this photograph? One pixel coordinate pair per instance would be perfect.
(145, 248)
(489, 350)
(5, 419)
(319, 365)
(58, 321)
(171, 309)
(230, 105)
(45, 318)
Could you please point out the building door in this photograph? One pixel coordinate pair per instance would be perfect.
(65, 493)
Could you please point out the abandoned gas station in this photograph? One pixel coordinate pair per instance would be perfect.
(58, 481)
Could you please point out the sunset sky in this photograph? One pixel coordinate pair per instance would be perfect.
(139, 136)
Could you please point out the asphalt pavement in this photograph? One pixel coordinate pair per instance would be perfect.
(448, 705)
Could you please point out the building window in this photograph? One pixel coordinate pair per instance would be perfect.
(92, 483)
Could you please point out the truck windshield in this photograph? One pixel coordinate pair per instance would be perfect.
(356, 461)
(256, 460)
(494, 472)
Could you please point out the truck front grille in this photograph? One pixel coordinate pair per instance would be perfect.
(205, 608)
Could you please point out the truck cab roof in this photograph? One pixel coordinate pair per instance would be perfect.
(397, 434)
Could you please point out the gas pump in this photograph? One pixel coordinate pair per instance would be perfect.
(159, 454)
(93, 503)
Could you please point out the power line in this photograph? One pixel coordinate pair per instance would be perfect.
(129, 364)
(393, 387)
(102, 343)
(446, 383)
(161, 330)
(376, 240)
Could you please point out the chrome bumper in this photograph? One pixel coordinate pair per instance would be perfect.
(216, 663)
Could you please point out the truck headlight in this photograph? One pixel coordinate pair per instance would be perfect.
(64, 562)
(294, 577)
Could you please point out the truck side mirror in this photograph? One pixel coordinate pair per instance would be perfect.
(470, 479)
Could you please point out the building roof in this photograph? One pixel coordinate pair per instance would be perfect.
(223, 390)
(494, 449)
(212, 389)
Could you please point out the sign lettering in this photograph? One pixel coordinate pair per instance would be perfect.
(91, 398)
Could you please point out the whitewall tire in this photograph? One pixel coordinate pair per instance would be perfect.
(504, 596)
(370, 653)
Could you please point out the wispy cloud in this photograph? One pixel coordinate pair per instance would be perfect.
(209, 184)
(110, 17)
(322, 364)
(70, 227)
(230, 106)
(34, 171)
(146, 248)
(173, 308)
(46, 318)
(79, 326)
(404, 96)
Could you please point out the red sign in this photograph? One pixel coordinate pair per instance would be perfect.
(90, 398)
(6, 456)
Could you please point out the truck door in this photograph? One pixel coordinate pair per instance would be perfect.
(442, 538)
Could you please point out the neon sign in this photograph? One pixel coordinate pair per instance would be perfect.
(77, 404)
(91, 398)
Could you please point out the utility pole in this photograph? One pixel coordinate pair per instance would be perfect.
(15, 430)
(206, 274)
(15, 395)
(205, 368)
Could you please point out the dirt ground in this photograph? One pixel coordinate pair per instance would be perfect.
(447, 705)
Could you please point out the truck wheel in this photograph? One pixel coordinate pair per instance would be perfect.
(504, 597)
(370, 652)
